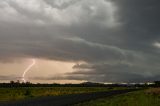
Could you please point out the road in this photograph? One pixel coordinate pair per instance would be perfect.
(65, 100)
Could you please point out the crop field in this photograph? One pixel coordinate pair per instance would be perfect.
(11, 94)
(149, 97)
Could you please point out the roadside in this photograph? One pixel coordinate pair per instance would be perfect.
(148, 97)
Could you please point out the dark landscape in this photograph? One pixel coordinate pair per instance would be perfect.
(66, 100)
(28, 94)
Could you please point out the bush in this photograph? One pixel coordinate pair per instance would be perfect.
(28, 92)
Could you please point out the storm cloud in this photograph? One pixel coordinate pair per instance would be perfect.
(109, 40)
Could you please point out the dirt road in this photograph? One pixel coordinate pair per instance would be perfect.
(65, 100)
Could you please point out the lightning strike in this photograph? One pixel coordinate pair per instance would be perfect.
(27, 69)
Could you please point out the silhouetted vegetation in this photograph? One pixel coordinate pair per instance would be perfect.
(157, 83)
(85, 84)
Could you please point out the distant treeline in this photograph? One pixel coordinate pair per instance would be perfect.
(85, 84)
(28, 84)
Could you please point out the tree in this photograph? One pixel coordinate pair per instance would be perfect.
(157, 83)
(12, 82)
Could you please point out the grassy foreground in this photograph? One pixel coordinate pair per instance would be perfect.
(150, 97)
(10, 94)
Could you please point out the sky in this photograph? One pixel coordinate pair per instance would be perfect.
(80, 40)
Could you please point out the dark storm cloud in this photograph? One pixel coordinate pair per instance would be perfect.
(114, 38)
(141, 22)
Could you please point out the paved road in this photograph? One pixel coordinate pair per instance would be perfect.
(65, 100)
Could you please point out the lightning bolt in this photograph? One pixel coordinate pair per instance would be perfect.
(27, 69)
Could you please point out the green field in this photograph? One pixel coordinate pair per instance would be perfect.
(10, 94)
(150, 97)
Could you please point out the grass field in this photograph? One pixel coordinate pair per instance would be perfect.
(10, 94)
(150, 97)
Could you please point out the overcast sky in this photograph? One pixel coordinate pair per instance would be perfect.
(82, 40)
